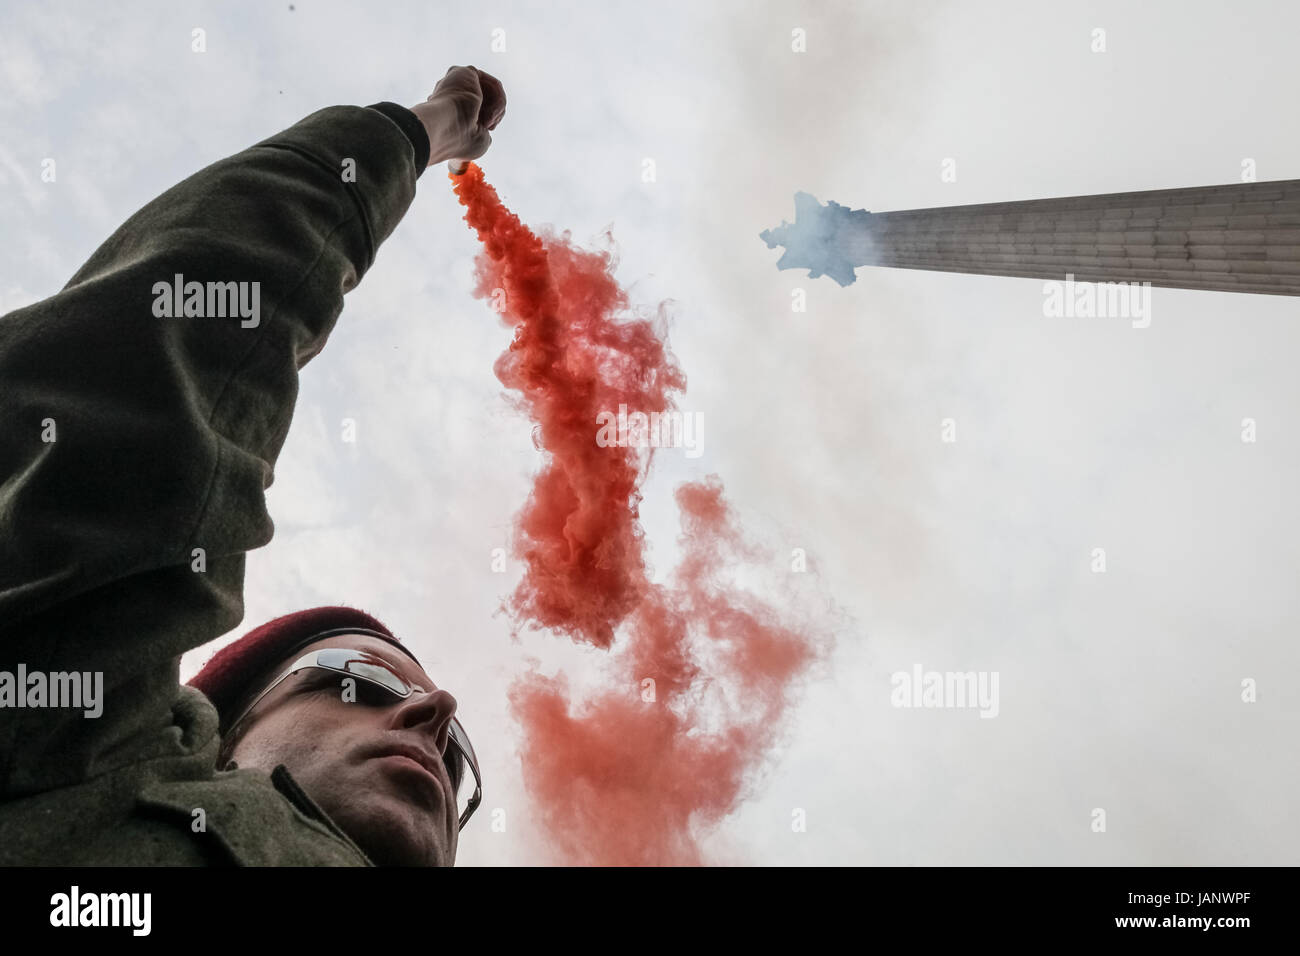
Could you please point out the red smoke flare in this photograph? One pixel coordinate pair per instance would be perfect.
(703, 672)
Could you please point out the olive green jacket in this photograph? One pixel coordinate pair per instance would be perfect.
(128, 441)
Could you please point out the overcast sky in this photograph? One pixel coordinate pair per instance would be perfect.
(1119, 690)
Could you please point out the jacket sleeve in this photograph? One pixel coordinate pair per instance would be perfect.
(136, 447)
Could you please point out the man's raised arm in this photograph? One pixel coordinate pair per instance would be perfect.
(144, 405)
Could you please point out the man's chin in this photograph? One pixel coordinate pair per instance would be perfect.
(394, 833)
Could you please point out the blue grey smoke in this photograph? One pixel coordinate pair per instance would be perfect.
(826, 240)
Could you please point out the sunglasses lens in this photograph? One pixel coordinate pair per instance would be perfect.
(365, 667)
(379, 674)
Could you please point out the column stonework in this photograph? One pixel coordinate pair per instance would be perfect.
(1238, 238)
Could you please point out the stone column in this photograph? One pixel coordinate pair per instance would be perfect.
(1239, 238)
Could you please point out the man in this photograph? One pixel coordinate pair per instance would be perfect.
(349, 713)
(138, 441)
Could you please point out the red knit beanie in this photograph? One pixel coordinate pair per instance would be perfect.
(244, 666)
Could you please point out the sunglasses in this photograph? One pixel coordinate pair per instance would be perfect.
(386, 687)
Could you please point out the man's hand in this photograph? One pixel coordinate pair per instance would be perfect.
(458, 114)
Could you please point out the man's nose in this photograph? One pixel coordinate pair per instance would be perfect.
(430, 714)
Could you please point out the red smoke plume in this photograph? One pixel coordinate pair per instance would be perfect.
(702, 671)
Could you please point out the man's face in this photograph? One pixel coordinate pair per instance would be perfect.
(347, 754)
